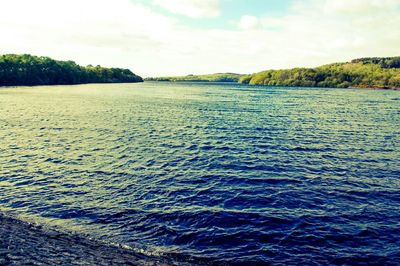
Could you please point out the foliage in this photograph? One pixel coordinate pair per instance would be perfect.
(34, 70)
(384, 62)
(364, 72)
(219, 77)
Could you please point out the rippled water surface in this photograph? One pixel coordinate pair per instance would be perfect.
(221, 173)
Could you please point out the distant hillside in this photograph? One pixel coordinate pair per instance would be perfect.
(361, 73)
(219, 77)
(34, 70)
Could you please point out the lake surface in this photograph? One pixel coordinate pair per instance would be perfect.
(216, 173)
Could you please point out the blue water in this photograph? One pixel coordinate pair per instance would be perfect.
(211, 173)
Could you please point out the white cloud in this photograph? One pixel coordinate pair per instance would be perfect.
(359, 6)
(125, 33)
(115, 35)
(191, 8)
(249, 22)
(316, 32)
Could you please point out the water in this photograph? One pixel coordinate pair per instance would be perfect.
(217, 173)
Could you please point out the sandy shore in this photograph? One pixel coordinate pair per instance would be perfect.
(22, 243)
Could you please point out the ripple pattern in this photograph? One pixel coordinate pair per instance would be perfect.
(225, 174)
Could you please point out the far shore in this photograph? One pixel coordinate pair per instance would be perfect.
(204, 81)
(275, 86)
(77, 84)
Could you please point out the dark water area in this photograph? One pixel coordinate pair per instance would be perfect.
(223, 174)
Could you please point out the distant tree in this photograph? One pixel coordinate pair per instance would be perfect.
(38, 70)
(364, 72)
(218, 77)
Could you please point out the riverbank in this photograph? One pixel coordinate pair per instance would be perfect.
(23, 243)
(375, 73)
(273, 86)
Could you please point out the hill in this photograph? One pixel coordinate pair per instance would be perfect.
(218, 77)
(29, 70)
(359, 73)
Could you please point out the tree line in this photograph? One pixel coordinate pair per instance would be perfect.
(363, 73)
(218, 77)
(369, 72)
(29, 70)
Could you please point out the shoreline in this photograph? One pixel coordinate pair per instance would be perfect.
(26, 243)
(203, 81)
(75, 84)
(273, 86)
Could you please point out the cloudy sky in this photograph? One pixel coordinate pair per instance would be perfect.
(179, 37)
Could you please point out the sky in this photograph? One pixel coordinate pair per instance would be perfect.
(181, 37)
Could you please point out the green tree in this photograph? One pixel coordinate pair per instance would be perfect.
(34, 70)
